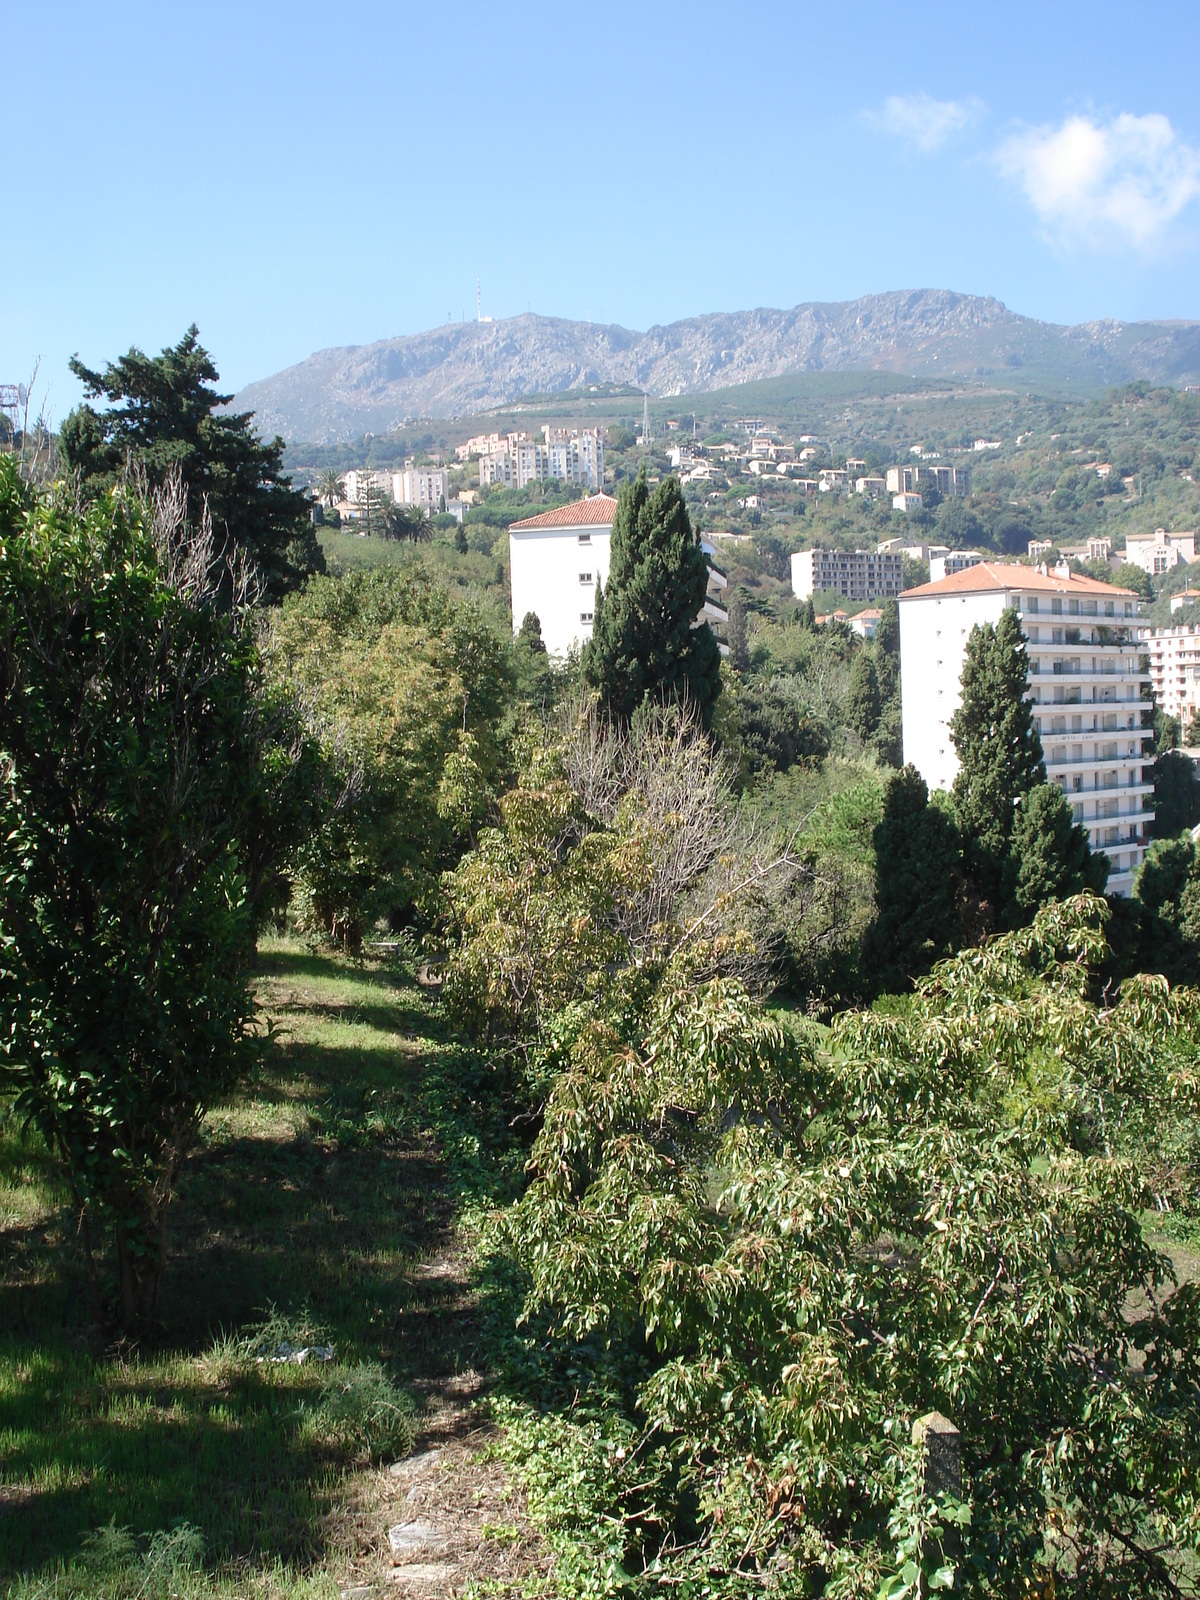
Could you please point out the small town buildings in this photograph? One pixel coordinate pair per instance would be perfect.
(1159, 551)
(1038, 548)
(870, 485)
(906, 501)
(947, 562)
(1185, 597)
(419, 486)
(1174, 655)
(1086, 676)
(570, 456)
(556, 561)
(856, 574)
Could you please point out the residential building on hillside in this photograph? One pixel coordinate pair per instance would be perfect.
(856, 574)
(906, 501)
(556, 560)
(1185, 597)
(1086, 674)
(1159, 551)
(947, 562)
(358, 482)
(870, 485)
(1038, 548)
(1174, 655)
(420, 486)
(570, 456)
(952, 483)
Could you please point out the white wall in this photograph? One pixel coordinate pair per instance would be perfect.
(546, 564)
(933, 642)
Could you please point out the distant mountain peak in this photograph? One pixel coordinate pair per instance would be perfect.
(463, 368)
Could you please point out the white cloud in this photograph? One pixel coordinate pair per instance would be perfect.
(921, 121)
(1126, 179)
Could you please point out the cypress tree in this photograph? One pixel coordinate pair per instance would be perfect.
(864, 701)
(643, 644)
(1049, 858)
(918, 860)
(999, 752)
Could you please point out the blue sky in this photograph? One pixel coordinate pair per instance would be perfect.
(296, 176)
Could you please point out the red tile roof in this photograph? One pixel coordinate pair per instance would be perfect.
(990, 575)
(596, 511)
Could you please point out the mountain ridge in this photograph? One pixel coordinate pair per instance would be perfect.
(464, 368)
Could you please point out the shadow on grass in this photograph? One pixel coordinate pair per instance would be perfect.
(331, 1219)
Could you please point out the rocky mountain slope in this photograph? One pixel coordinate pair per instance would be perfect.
(469, 367)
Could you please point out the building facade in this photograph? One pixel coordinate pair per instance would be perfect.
(947, 562)
(420, 486)
(856, 574)
(1159, 551)
(1086, 675)
(952, 483)
(1174, 656)
(556, 561)
(569, 455)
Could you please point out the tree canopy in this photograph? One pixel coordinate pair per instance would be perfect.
(999, 752)
(164, 416)
(644, 645)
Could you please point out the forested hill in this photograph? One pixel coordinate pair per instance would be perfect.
(468, 367)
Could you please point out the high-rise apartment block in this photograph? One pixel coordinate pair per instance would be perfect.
(1174, 655)
(1086, 676)
(573, 455)
(854, 574)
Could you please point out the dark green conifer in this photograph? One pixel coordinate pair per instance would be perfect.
(999, 752)
(643, 644)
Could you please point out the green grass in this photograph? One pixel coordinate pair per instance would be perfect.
(316, 1192)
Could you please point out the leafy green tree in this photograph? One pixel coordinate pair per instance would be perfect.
(644, 645)
(407, 690)
(999, 752)
(755, 1258)
(1049, 857)
(918, 870)
(887, 634)
(1176, 794)
(164, 416)
(131, 762)
(739, 639)
(863, 701)
(774, 734)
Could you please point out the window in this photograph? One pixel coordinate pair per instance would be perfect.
(1031, 604)
(585, 577)
(586, 616)
(585, 538)
(1056, 607)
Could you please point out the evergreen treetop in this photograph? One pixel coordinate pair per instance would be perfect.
(164, 413)
(644, 644)
(999, 752)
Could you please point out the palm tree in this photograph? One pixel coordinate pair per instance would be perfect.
(329, 487)
(420, 527)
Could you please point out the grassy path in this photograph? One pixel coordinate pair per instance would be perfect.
(327, 1195)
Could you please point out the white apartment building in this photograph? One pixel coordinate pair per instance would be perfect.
(1175, 668)
(357, 482)
(947, 562)
(420, 486)
(952, 483)
(870, 485)
(557, 558)
(856, 574)
(906, 501)
(570, 456)
(1159, 551)
(1085, 681)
